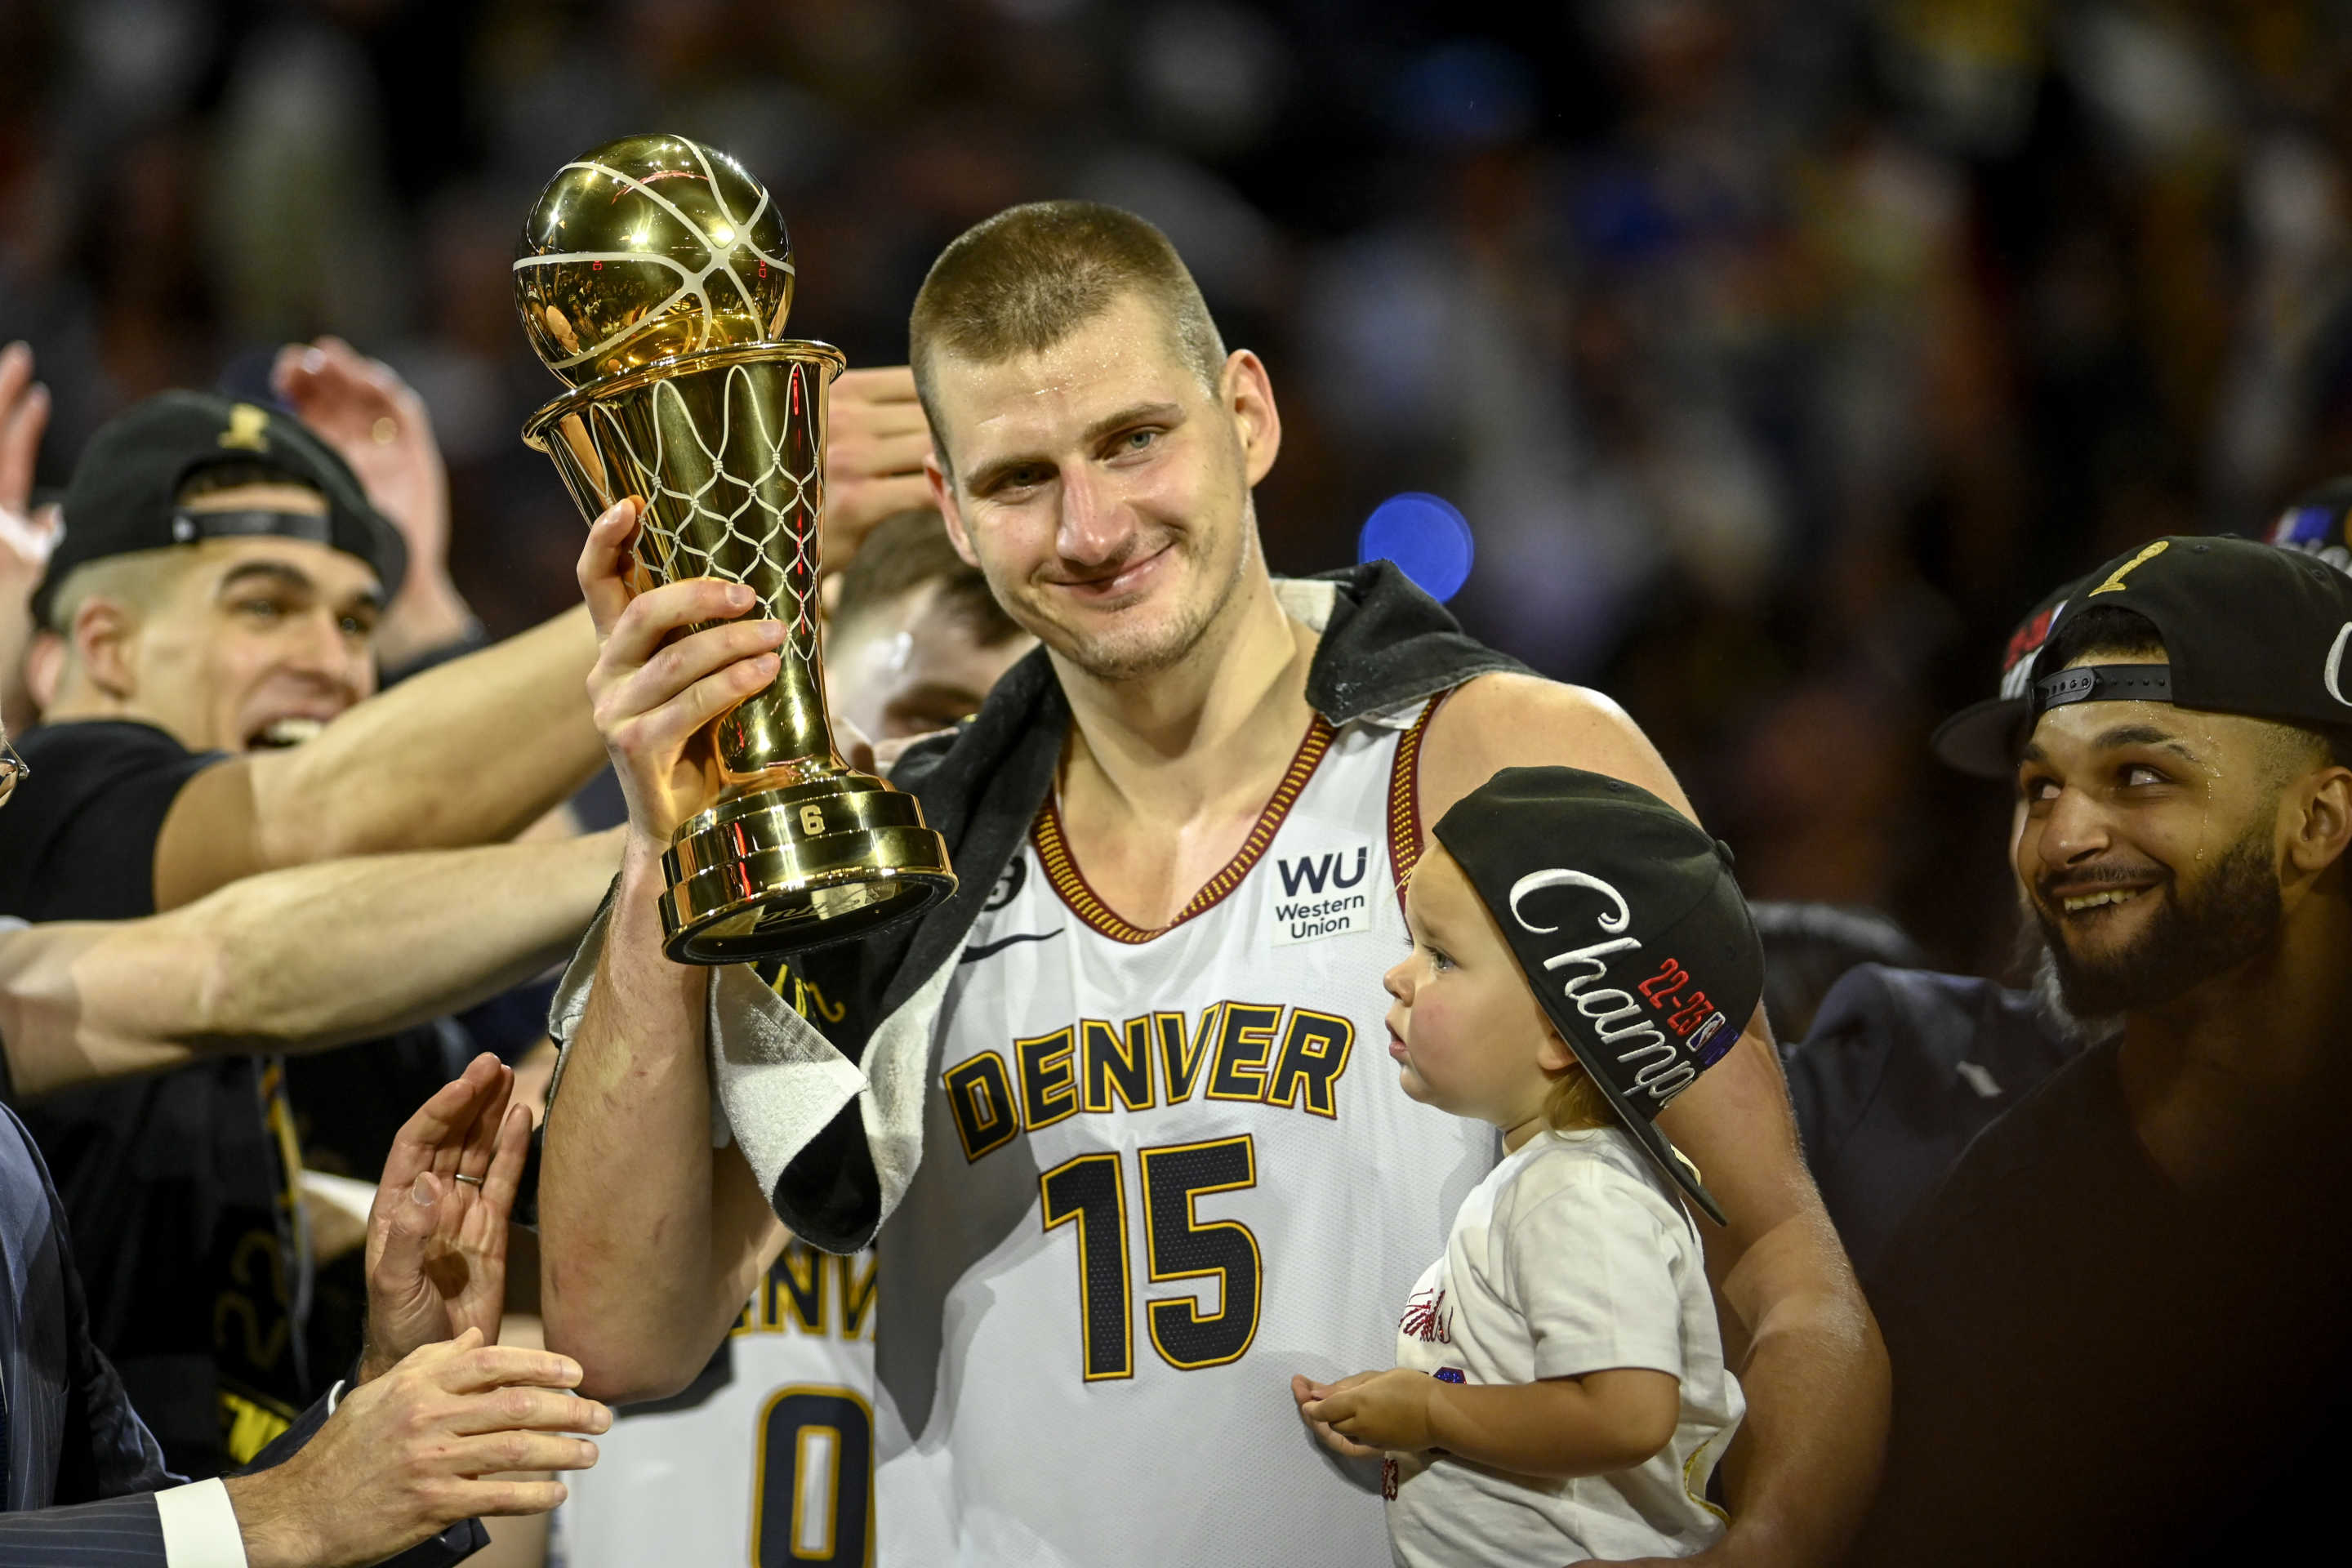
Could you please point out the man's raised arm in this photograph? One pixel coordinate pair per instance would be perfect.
(1795, 1326)
(650, 1241)
(294, 960)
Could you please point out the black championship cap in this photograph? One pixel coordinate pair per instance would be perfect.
(1983, 738)
(2249, 629)
(123, 496)
(1624, 915)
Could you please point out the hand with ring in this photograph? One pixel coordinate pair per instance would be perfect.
(436, 1246)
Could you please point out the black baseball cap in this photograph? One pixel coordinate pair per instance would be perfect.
(1624, 915)
(1983, 738)
(124, 494)
(2249, 629)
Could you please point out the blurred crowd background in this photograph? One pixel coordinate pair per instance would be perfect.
(1781, 353)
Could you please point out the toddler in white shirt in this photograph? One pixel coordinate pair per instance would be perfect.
(1581, 954)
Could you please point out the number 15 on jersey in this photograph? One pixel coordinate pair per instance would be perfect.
(1089, 1193)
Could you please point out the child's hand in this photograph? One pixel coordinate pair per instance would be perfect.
(1308, 1393)
(1370, 1412)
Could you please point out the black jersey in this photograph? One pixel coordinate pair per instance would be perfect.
(179, 1188)
(2092, 1365)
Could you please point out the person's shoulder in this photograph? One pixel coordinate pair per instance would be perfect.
(1872, 1004)
(2002, 1039)
(1512, 719)
(1594, 1176)
(1523, 696)
(80, 742)
(2067, 1143)
(83, 826)
(2082, 1095)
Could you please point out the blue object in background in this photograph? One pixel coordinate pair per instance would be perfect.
(1425, 535)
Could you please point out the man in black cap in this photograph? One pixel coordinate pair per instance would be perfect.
(1902, 1066)
(2117, 1327)
(214, 591)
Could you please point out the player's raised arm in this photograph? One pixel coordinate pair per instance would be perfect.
(292, 960)
(650, 1240)
(470, 753)
(1795, 1325)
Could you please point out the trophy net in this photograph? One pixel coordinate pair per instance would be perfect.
(751, 515)
(729, 460)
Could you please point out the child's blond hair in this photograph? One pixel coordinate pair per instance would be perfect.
(1575, 1102)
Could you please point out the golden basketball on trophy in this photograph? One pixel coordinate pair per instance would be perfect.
(654, 276)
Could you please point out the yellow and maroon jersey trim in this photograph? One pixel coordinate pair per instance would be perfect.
(1405, 798)
(1062, 868)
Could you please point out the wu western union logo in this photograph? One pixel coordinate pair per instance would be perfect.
(1249, 1052)
(1319, 895)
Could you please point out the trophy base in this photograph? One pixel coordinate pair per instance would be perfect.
(778, 870)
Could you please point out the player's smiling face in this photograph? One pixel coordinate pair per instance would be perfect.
(1466, 1033)
(260, 641)
(1103, 489)
(2147, 846)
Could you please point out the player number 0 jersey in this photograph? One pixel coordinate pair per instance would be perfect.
(1161, 1171)
(773, 1467)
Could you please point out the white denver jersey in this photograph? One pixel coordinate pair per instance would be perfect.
(773, 1470)
(1161, 1171)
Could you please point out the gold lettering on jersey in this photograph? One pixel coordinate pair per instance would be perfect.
(249, 1426)
(804, 997)
(796, 1287)
(858, 1294)
(1244, 1038)
(1255, 1053)
(812, 1292)
(1116, 1061)
(1047, 1083)
(1179, 1063)
(1314, 1053)
(979, 1094)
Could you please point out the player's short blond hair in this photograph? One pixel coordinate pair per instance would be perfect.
(141, 580)
(1575, 1102)
(1022, 282)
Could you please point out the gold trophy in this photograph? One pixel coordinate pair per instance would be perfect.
(654, 276)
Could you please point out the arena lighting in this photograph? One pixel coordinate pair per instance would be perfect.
(1425, 535)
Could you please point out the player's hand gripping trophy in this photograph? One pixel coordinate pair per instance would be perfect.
(654, 276)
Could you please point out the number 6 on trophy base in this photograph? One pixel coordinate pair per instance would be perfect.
(654, 276)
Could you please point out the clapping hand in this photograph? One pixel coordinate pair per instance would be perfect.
(437, 1244)
(433, 1441)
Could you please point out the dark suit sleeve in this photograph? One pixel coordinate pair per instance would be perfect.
(116, 1532)
(127, 1532)
(103, 1450)
(109, 1452)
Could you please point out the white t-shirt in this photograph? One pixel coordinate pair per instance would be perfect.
(1570, 1257)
